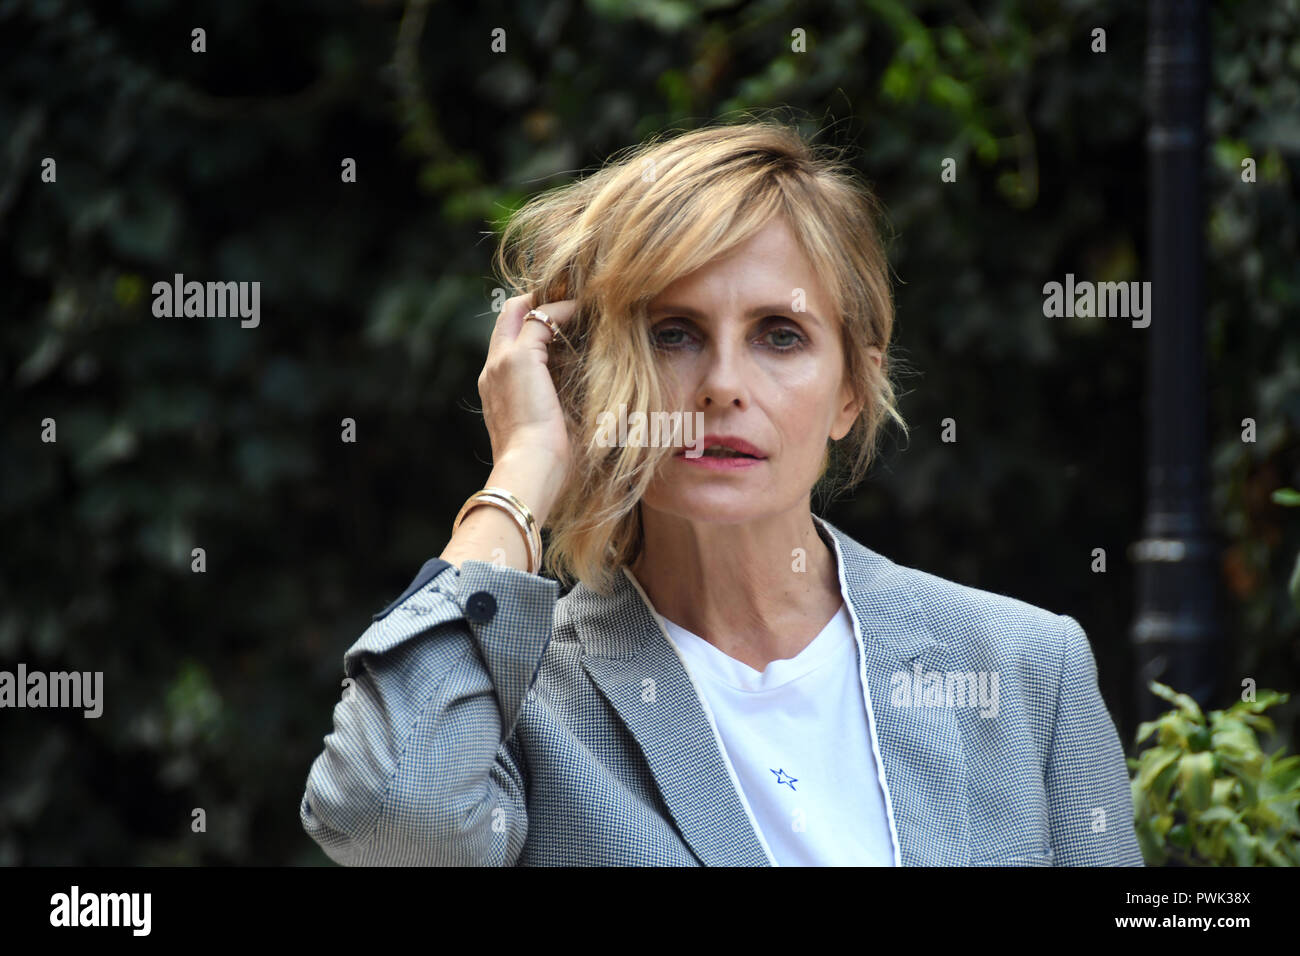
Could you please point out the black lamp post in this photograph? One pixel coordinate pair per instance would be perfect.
(1175, 637)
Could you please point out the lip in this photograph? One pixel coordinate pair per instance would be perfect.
(720, 464)
(735, 443)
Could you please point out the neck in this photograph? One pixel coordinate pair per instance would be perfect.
(758, 591)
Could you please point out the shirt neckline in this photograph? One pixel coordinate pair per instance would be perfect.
(723, 668)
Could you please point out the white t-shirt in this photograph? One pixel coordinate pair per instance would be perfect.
(800, 743)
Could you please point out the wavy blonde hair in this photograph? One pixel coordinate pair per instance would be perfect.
(651, 214)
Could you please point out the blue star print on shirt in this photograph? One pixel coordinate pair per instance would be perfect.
(782, 777)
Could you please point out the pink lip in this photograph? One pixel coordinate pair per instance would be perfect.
(735, 443)
(721, 464)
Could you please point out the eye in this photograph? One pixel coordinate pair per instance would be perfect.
(796, 340)
(793, 340)
(657, 339)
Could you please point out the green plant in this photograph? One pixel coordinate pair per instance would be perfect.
(1206, 795)
(1290, 498)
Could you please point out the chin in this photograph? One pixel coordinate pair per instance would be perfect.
(723, 506)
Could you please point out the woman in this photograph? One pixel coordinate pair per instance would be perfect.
(732, 680)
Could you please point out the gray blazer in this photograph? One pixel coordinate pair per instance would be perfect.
(485, 722)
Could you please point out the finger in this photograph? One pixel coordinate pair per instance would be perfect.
(509, 318)
(537, 333)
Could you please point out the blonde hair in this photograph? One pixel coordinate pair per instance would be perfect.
(616, 239)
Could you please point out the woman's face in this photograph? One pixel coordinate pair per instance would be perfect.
(731, 343)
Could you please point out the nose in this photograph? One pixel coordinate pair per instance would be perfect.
(724, 380)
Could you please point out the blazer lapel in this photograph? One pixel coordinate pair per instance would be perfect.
(921, 747)
(631, 662)
(635, 668)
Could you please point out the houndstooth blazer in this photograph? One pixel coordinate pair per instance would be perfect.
(486, 721)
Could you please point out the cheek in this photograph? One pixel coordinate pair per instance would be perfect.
(800, 400)
(810, 392)
(803, 418)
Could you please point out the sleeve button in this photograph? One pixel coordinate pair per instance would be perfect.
(481, 607)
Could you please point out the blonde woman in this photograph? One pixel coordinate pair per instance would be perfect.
(731, 680)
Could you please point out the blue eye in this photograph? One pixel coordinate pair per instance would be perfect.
(794, 343)
(658, 340)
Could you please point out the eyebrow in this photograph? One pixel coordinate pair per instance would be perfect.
(755, 312)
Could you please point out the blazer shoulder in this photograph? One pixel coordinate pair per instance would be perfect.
(998, 623)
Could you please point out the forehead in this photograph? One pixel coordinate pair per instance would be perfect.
(768, 266)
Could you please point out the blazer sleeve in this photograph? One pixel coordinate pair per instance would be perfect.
(419, 769)
(1089, 795)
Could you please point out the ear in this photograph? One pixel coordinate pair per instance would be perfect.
(850, 405)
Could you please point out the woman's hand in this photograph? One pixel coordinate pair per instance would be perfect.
(520, 406)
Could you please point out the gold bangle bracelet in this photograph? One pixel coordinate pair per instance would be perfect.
(481, 498)
(500, 498)
(531, 530)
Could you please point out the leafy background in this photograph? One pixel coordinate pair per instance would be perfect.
(376, 305)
